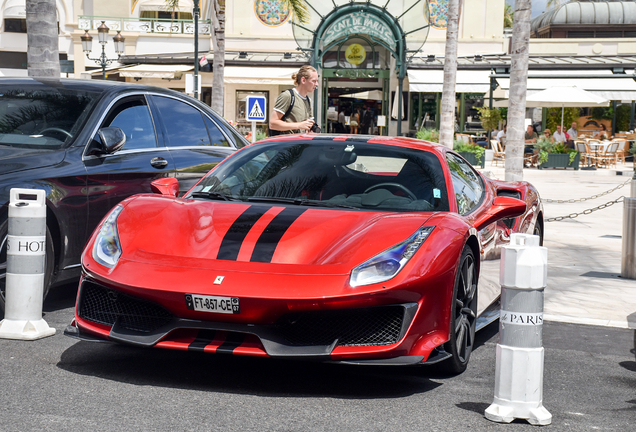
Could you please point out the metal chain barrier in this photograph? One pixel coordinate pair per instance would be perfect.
(587, 199)
(585, 212)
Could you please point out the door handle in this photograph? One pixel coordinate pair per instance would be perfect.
(158, 162)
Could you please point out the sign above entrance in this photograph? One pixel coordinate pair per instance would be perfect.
(359, 23)
(355, 54)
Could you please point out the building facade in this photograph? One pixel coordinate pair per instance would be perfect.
(384, 55)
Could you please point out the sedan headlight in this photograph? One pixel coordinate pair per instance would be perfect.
(386, 265)
(107, 248)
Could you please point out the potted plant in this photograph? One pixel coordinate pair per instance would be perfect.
(556, 155)
(473, 153)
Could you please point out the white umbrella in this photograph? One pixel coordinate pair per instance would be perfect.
(562, 97)
(371, 95)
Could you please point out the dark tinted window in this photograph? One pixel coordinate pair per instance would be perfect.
(132, 115)
(184, 124)
(216, 136)
(42, 117)
(468, 185)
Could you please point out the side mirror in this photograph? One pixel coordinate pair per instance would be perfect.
(502, 208)
(168, 186)
(112, 140)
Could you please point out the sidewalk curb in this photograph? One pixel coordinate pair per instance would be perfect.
(589, 321)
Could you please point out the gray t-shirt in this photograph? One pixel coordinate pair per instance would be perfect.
(301, 110)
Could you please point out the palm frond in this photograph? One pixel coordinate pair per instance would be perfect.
(299, 8)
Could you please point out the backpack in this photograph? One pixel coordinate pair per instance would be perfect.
(273, 132)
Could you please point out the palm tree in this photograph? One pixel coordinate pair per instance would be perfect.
(43, 57)
(509, 15)
(520, 46)
(555, 3)
(218, 64)
(447, 122)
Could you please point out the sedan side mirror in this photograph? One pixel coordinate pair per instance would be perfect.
(112, 140)
(502, 208)
(168, 186)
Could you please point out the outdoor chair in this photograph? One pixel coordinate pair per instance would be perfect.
(623, 149)
(463, 137)
(583, 149)
(608, 158)
(497, 152)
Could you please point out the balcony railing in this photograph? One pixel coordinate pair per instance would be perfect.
(144, 25)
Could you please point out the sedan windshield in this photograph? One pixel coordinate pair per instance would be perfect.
(42, 117)
(330, 174)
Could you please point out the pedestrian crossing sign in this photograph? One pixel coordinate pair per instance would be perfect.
(256, 108)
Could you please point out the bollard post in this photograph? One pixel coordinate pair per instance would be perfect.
(628, 253)
(26, 261)
(519, 361)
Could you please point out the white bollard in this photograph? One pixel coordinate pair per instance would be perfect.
(26, 262)
(519, 365)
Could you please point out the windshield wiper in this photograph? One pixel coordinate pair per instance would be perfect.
(302, 202)
(213, 195)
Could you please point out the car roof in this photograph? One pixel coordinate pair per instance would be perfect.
(82, 84)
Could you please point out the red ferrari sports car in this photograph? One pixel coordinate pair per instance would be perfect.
(355, 249)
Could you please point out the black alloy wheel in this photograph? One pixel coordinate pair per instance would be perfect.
(48, 270)
(463, 314)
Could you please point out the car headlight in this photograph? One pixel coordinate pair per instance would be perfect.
(386, 265)
(107, 248)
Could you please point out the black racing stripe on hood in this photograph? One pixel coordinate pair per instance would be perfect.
(204, 338)
(268, 241)
(235, 236)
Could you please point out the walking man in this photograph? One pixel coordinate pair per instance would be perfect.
(292, 111)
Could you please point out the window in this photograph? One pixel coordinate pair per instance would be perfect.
(469, 189)
(216, 136)
(183, 123)
(15, 25)
(165, 15)
(133, 117)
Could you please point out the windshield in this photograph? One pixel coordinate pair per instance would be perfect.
(330, 174)
(36, 117)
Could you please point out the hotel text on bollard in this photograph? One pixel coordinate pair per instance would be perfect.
(519, 363)
(26, 261)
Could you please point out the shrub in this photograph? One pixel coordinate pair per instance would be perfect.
(464, 147)
(431, 135)
(545, 146)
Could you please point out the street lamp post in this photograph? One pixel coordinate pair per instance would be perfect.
(102, 33)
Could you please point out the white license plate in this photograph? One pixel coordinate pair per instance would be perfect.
(226, 305)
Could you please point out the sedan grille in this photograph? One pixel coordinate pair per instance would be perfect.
(106, 306)
(351, 327)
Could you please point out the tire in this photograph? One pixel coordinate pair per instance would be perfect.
(463, 315)
(48, 269)
(538, 231)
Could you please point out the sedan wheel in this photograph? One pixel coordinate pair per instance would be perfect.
(48, 270)
(463, 314)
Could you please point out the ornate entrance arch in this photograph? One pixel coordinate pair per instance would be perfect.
(401, 27)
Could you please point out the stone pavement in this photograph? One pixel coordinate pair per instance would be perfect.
(584, 253)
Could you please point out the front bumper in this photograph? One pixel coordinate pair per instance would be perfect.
(105, 313)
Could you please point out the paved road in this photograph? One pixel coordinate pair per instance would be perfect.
(59, 384)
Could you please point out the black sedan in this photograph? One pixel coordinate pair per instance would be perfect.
(65, 136)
